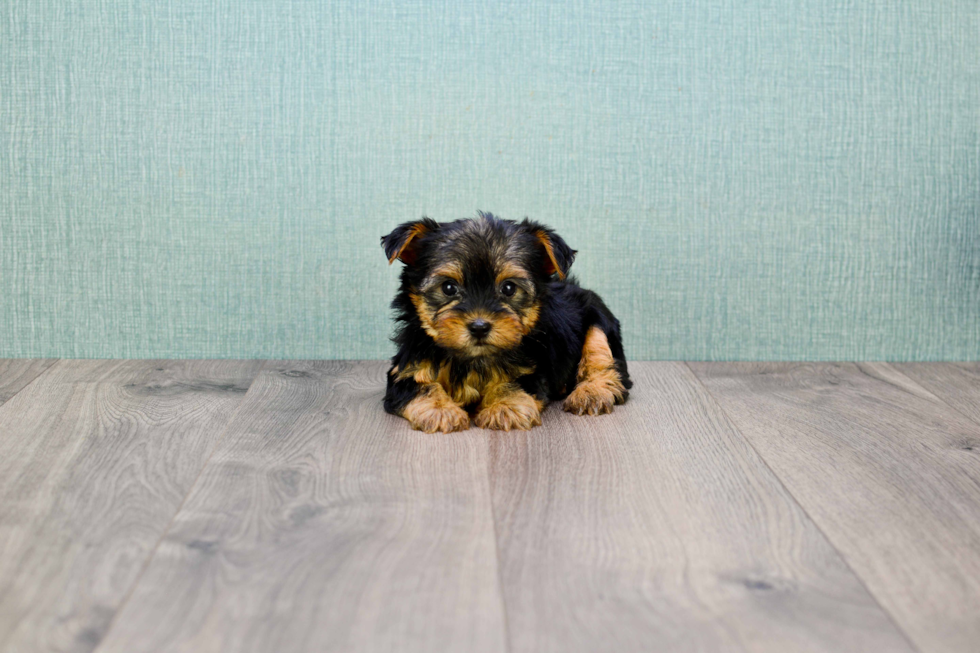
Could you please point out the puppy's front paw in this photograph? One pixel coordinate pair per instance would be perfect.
(590, 398)
(425, 414)
(517, 411)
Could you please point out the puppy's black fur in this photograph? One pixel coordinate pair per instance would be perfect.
(542, 326)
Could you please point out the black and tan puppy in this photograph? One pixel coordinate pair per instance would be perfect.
(490, 322)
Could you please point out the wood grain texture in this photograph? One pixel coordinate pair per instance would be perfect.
(324, 524)
(15, 373)
(957, 384)
(658, 528)
(888, 472)
(95, 459)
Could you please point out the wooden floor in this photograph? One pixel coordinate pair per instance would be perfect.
(274, 507)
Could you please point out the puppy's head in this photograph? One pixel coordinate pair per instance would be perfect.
(476, 284)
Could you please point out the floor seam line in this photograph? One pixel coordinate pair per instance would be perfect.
(932, 394)
(508, 646)
(190, 490)
(32, 381)
(813, 521)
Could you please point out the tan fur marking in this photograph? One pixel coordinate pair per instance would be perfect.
(425, 314)
(596, 355)
(473, 387)
(423, 373)
(531, 318)
(507, 330)
(433, 410)
(450, 270)
(599, 386)
(451, 331)
(467, 393)
(510, 270)
(546, 242)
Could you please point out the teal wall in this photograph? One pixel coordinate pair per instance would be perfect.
(754, 179)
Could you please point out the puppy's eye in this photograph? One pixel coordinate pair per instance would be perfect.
(449, 288)
(508, 289)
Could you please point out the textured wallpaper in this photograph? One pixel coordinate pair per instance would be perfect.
(761, 179)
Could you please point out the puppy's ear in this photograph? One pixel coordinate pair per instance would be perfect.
(403, 242)
(557, 255)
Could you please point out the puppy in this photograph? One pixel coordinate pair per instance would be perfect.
(489, 322)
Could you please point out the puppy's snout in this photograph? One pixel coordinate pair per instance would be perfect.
(479, 328)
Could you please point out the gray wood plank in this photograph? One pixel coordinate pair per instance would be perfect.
(957, 384)
(658, 528)
(95, 459)
(15, 373)
(888, 472)
(324, 524)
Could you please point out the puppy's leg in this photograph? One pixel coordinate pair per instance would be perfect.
(599, 384)
(506, 406)
(415, 395)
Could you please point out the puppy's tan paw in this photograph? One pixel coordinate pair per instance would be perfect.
(518, 411)
(436, 414)
(446, 420)
(590, 398)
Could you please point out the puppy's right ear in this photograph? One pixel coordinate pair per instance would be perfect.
(403, 242)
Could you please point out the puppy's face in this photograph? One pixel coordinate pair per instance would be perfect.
(476, 284)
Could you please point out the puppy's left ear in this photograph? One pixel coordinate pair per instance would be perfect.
(403, 243)
(557, 255)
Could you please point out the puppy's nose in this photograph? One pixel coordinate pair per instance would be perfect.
(479, 328)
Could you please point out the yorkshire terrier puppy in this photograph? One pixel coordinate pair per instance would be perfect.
(489, 322)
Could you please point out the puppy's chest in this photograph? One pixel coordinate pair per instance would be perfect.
(467, 383)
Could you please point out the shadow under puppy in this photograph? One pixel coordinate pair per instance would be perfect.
(489, 321)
